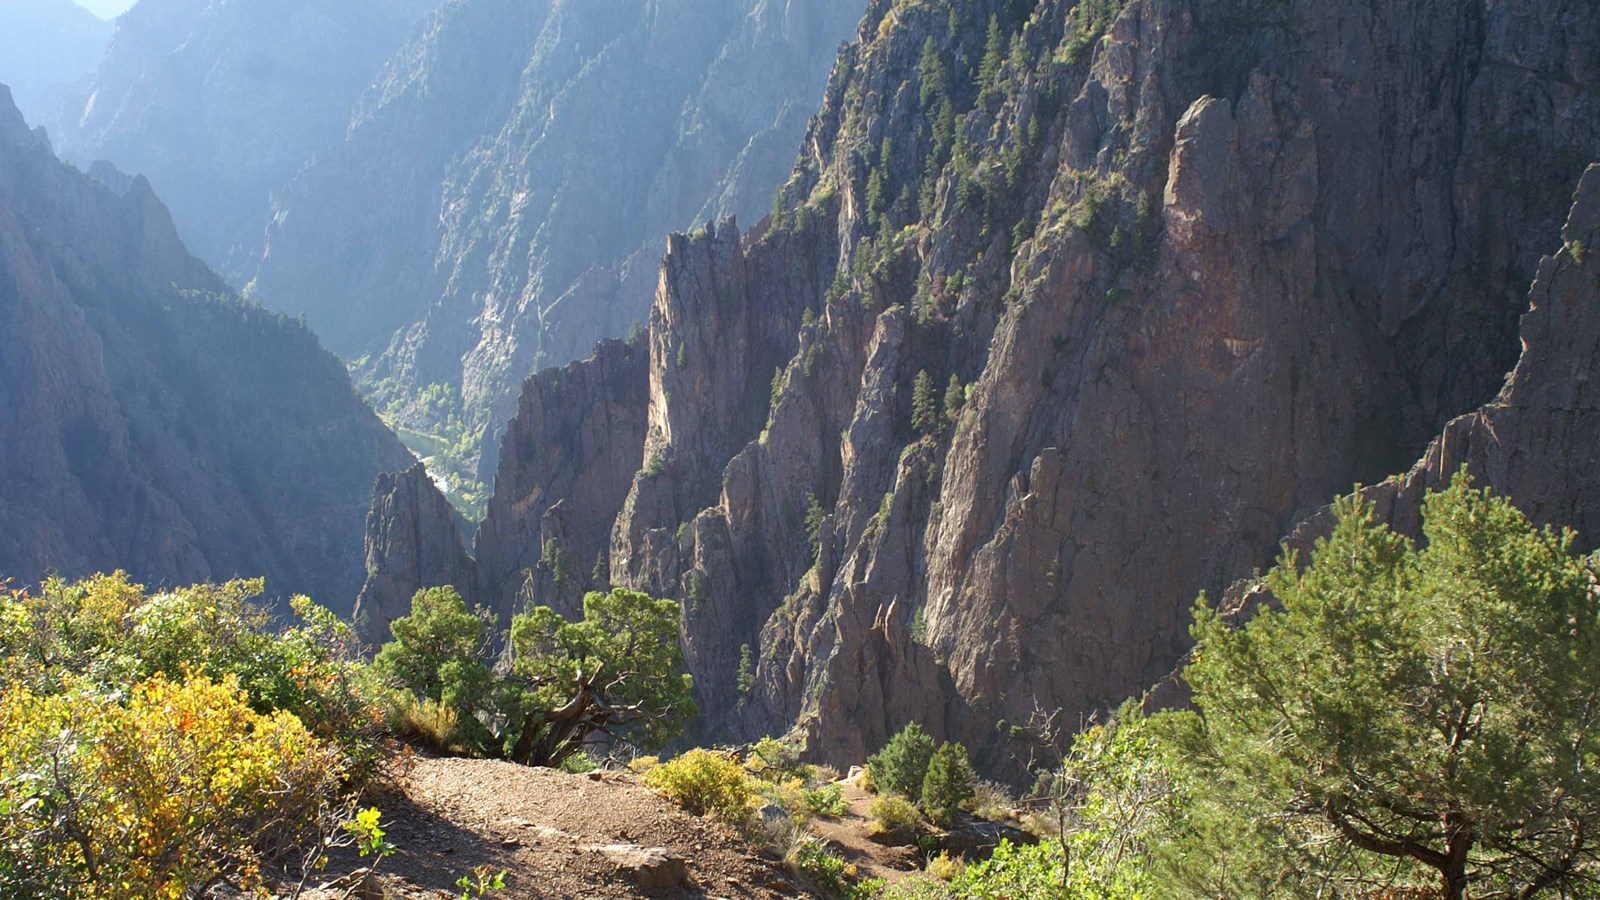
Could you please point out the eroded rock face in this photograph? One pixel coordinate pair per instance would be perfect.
(1538, 441)
(1191, 270)
(149, 419)
(567, 459)
(413, 540)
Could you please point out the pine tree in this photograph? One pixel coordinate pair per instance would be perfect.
(994, 50)
(948, 784)
(955, 397)
(924, 409)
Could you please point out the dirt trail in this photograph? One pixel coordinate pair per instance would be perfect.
(542, 827)
(848, 835)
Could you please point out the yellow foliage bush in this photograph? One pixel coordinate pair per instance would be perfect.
(946, 867)
(430, 723)
(181, 786)
(705, 782)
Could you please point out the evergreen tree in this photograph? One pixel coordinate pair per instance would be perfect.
(948, 784)
(955, 397)
(994, 56)
(1418, 718)
(902, 765)
(924, 408)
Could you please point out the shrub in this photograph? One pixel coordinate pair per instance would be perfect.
(917, 889)
(948, 784)
(946, 867)
(579, 764)
(438, 655)
(619, 671)
(426, 721)
(894, 819)
(111, 631)
(817, 863)
(827, 800)
(705, 783)
(181, 786)
(993, 801)
(902, 765)
(1013, 871)
(788, 795)
(774, 759)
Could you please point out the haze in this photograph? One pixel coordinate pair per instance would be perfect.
(106, 9)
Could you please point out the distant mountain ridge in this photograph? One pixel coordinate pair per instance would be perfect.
(220, 103)
(152, 421)
(46, 46)
(500, 201)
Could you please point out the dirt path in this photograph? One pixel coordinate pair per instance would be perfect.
(848, 835)
(544, 827)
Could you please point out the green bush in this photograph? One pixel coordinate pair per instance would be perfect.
(776, 760)
(617, 671)
(896, 819)
(827, 800)
(817, 863)
(902, 765)
(948, 785)
(438, 658)
(1013, 872)
(917, 889)
(112, 631)
(705, 782)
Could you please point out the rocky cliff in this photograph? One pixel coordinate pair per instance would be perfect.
(498, 204)
(219, 104)
(1069, 311)
(149, 419)
(1538, 440)
(569, 456)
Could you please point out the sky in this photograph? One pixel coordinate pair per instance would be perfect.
(106, 9)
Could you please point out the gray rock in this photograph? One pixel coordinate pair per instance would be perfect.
(648, 867)
(976, 839)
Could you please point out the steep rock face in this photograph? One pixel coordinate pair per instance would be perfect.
(1236, 298)
(1538, 441)
(498, 204)
(219, 104)
(150, 420)
(567, 459)
(1071, 319)
(569, 456)
(412, 540)
(45, 46)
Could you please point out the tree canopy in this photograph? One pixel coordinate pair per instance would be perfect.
(616, 672)
(1399, 716)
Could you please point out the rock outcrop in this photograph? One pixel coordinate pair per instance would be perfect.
(571, 452)
(413, 538)
(1538, 441)
(152, 421)
(1065, 320)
